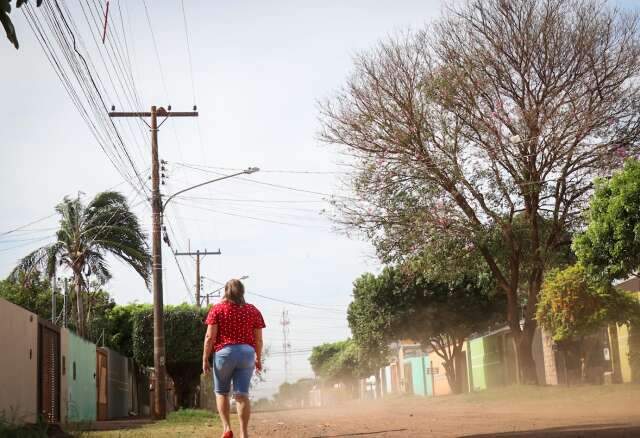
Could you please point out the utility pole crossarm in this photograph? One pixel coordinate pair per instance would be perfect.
(159, 113)
(195, 253)
(198, 254)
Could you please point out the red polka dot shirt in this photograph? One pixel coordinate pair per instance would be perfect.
(236, 323)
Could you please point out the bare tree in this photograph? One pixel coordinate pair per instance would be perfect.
(490, 126)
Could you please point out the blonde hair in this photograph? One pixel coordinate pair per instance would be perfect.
(234, 291)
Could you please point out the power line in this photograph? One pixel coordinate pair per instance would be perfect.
(91, 106)
(155, 46)
(292, 303)
(202, 167)
(260, 219)
(278, 186)
(21, 227)
(284, 212)
(259, 201)
(42, 239)
(186, 32)
(184, 278)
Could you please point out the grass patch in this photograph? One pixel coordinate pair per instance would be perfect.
(192, 423)
(189, 416)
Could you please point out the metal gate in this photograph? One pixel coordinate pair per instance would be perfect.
(101, 385)
(49, 372)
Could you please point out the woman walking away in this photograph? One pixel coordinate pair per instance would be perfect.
(234, 335)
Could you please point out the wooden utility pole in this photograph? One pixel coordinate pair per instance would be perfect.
(198, 253)
(159, 409)
(64, 303)
(53, 299)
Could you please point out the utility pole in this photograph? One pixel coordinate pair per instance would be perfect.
(198, 253)
(159, 361)
(64, 303)
(284, 322)
(53, 299)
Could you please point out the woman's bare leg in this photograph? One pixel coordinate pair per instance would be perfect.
(222, 401)
(243, 406)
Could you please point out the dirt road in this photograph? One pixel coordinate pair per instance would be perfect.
(605, 411)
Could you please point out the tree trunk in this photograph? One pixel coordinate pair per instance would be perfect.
(80, 304)
(527, 365)
(452, 375)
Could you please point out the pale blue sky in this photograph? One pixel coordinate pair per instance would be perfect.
(260, 67)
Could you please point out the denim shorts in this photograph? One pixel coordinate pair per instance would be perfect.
(234, 363)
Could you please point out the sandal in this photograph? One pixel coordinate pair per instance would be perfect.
(228, 434)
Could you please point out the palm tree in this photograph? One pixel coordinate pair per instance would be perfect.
(86, 235)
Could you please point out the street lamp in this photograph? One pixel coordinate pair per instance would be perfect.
(247, 171)
(212, 294)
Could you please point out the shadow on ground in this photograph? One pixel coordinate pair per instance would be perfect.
(583, 431)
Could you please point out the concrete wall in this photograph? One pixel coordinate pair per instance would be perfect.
(388, 381)
(78, 384)
(629, 353)
(18, 363)
(629, 340)
(440, 382)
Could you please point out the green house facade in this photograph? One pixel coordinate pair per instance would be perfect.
(421, 378)
(78, 382)
(486, 356)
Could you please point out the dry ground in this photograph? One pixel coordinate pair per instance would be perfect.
(602, 411)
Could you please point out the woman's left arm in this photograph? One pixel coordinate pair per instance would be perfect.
(209, 339)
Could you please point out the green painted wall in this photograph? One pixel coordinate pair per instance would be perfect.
(629, 345)
(421, 381)
(81, 385)
(487, 364)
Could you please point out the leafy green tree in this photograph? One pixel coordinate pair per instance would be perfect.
(184, 331)
(610, 246)
(405, 302)
(572, 304)
(5, 10)
(295, 394)
(87, 234)
(338, 362)
(34, 296)
(370, 323)
(115, 327)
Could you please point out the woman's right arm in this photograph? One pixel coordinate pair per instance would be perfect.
(258, 336)
(209, 339)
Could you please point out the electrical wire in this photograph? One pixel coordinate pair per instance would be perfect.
(259, 219)
(292, 303)
(86, 92)
(278, 186)
(22, 227)
(233, 169)
(186, 33)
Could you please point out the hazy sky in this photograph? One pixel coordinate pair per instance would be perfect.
(259, 69)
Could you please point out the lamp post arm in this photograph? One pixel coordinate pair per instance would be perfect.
(247, 171)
